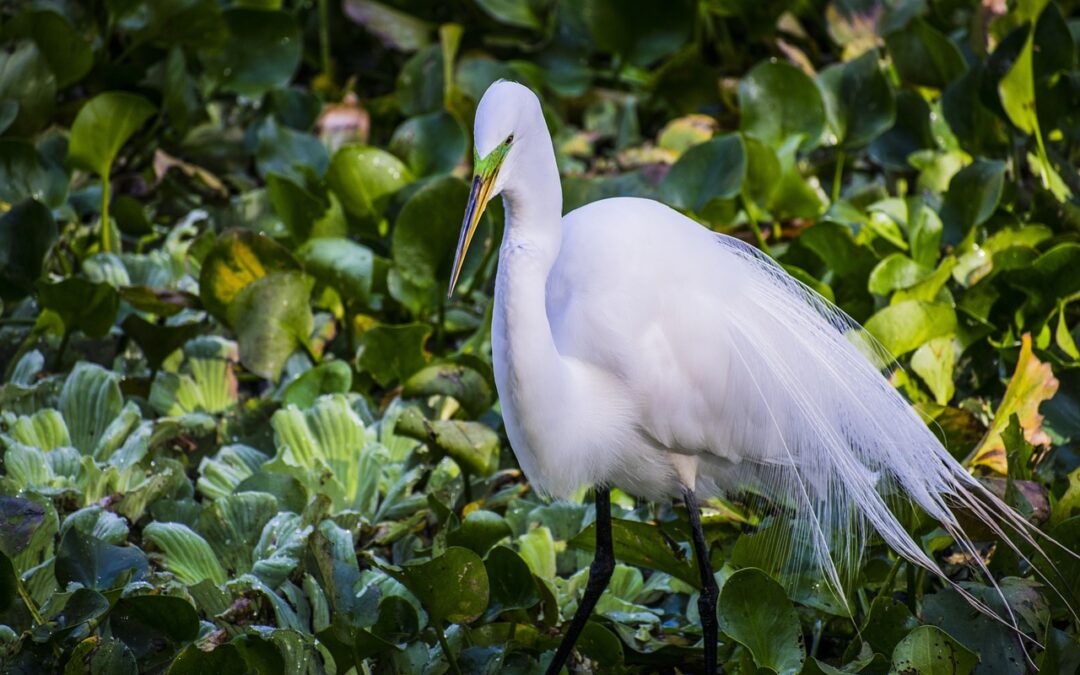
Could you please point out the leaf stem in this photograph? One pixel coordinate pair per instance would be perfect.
(106, 226)
(324, 36)
(440, 632)
(35, 613)
(758, 236)
(838, 175)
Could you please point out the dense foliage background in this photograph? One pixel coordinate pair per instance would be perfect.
(244, 431)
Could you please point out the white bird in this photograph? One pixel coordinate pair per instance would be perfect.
(634, 348)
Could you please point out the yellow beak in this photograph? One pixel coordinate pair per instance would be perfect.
(478, 201)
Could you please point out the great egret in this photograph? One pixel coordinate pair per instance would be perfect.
(635, 348)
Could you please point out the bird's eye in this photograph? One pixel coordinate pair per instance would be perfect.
(509, 139)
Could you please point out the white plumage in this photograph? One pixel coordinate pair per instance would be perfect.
(634, 348)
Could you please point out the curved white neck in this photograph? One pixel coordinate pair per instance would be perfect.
(521, 333)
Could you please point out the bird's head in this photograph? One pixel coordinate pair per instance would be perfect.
(508, 116)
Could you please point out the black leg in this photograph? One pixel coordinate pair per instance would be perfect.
(600, 570)
(709, 590)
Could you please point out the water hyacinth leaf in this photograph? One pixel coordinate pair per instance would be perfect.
(887, 624)
(1031, 384)
(296, 155)
(26, 173)
(924, 56)
(644, 545)
(479, 531)
(934, 362)
(301, 210)
(896, 271)
(639, 31)
(67, 53)
(928, 649)
(154, 625)
(97, 655)
(474, 446)
(425, 232)
(755, 611)
(89, 401)
(430, 144)
(364, 178)
(29, 85)
(102, 127)
(452, 587)
(866, 104)
(778, 101)
(186, 554)
(272, 316)
(907, 325)
(19, 520)
(714, 169)
(392, 353)
(511, 581)
(909, 133)
(83, 606)
(81, 304)
(973, 196)
(467, 386)
(97, 564)
(394, 28)
(262, 52)
(330, 377)
(238, 258)
(158, 341)
(342, 264)
(335, 568)
(519, 13)
(27, 232)
(233, 525)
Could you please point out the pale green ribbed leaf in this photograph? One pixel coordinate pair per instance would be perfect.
(280, 548)
(206, 381)
(27, 467)
(27, 368)
(232, 525)
(328, 449)
(187, 555)
(44, 429)
(90, 401)
(65, 462)
(219, 475)
(97, 522)
(117, 432)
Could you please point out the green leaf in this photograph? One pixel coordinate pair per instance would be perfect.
(755, 611)
(19, 520)
(924, 56)
(452, 587)
(221, 474)
(101, 656)
(909, 134)
(27, 232)
(973, 196)
(158, 341)
(272, 317)
(89, 401)
(640, 31)
(154, 625)
(864, 105)
(187, 555)
(364, 179)
(479, 531)
(342, 264)
(906, 325)
(262, 52)
(102, 127)
(29, 84)
(26, 173)
(896, 271)
(934, 363)
(330, 377)
(468, 387)
(430, 144)
(392, 353)
(81, 304)
(1017, 90)
(67, 53)
(425, 232)
(644, 545)
(238, 258)
(96, 564)
(327, 449)
(714, 169)
(887, 624)
(519, 13)
(474, 446)
(394, 28)
(511, 582)
(928, 650)
(778, 101)
(233, 525)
